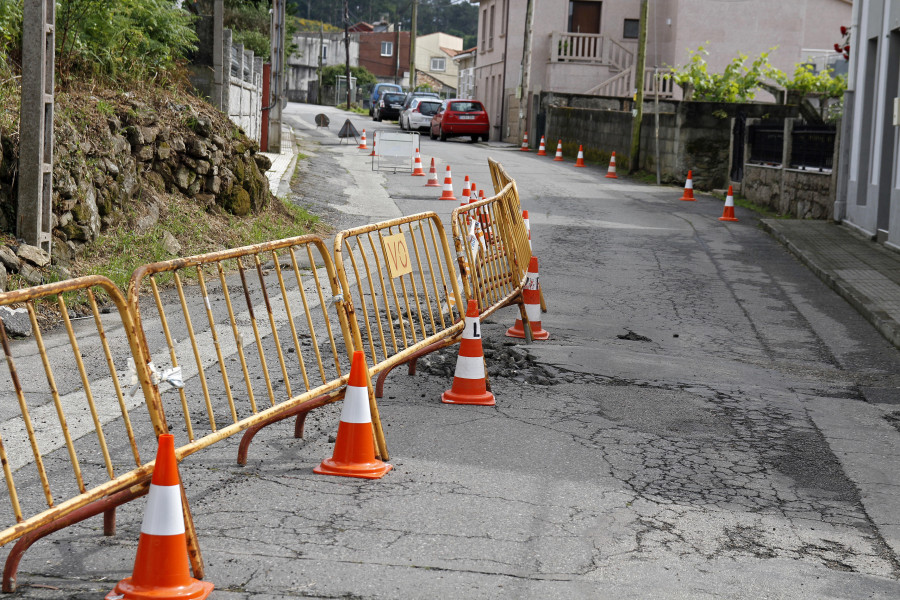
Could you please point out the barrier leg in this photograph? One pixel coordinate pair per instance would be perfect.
(411, 363)
(109, 522)
(193, 546)
(526, 324)
(543, 302)
(103, 505)
(299, 411)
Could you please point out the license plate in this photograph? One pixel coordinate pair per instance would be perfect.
(466, 117)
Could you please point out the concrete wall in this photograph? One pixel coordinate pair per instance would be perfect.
(693, 135)
(799, 194)
(243, 92)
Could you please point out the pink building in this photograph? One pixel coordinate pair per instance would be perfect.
(590, 46)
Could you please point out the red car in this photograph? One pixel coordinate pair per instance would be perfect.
(461, 117)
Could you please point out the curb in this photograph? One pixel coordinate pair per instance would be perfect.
(885, 325)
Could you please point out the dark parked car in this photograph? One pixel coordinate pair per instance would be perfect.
(461, 117)
(389, 106)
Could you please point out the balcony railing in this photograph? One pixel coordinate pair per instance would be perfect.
(622, 85)
(589, 48)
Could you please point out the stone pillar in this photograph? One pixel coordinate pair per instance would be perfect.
(33, 221)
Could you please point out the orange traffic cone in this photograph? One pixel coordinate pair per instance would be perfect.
(417, 166)
(527, 226)
(161, 566)
(611, 172)
(373, 143)
(469, 380)
(432, 177)
(531, 295)
(467, 187)
(689, 188)
(362, 141)
(728, 213)
(524, 147)
(542, 150)
(579, 162)
(447, 193)
(354, 450)
(559, 155)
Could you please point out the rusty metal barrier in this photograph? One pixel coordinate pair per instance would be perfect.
(401, 287)
(272, 309)
(73, 434)
(513, 207)
(487, 238)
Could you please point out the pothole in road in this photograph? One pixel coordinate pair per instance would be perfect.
(504, 359)
(894, 419)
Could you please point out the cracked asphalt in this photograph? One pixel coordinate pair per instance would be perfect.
(745, 448)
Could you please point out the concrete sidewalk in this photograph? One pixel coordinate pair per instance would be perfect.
(279, 174)
(864, 273)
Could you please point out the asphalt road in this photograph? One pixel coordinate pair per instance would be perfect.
(746, 447)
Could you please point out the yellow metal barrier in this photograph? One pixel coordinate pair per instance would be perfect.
(76, 425)
(486, 235)
(513, 208)
(272, 308)
(400, 284)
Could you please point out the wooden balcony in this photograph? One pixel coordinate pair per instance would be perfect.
(589, 48)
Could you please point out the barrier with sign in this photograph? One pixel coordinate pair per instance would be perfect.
(513, 207)
(395, 150)
(237, 310)
(84, 409)
(398, 279)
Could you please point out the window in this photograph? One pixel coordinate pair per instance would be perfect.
(484, 30)
(387, 48)
(504, 17)
(324, 53)
(632, 29)
(491, 38)
(438, 64)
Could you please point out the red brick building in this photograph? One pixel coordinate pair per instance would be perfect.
(378, 52)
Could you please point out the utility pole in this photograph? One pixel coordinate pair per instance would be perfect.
(639, 90)
(412, 46)
(33, 221)
(347, 49)
(277, 88)
(524, 102)
(397, 46)
(319, 70)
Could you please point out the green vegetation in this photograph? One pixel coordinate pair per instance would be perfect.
(740, 80)
(119, 251)
(362, 75)
(356, 108)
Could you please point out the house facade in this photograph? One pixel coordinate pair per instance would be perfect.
(465, 62)
(302, 65)
(386, 55)
(868, 198)
(434, 62)
(590, 46)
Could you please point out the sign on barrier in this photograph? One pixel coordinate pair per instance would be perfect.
(85, 409)
(395, 150)
(400, 312)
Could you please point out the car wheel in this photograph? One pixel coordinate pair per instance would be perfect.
(402, 128)
(474, 139)
(443, 136)
(431, 133)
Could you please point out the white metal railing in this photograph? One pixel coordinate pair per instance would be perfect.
(589, 48)
(622, 85)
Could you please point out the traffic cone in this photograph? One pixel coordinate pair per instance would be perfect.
(469, 380)
(524, 147)
(527, 226)
(579, 162)
(354, 450)
(373, 143)
(611, 172)
(531, 296)
(467, 187)
(432, 177)
(417, 166)
(542, 150)
(689, 188)
(559, 155)
(728, 213)
(161, 566)
(447, 193)
(362, 141)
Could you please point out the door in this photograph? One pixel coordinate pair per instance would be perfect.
(584, 17)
